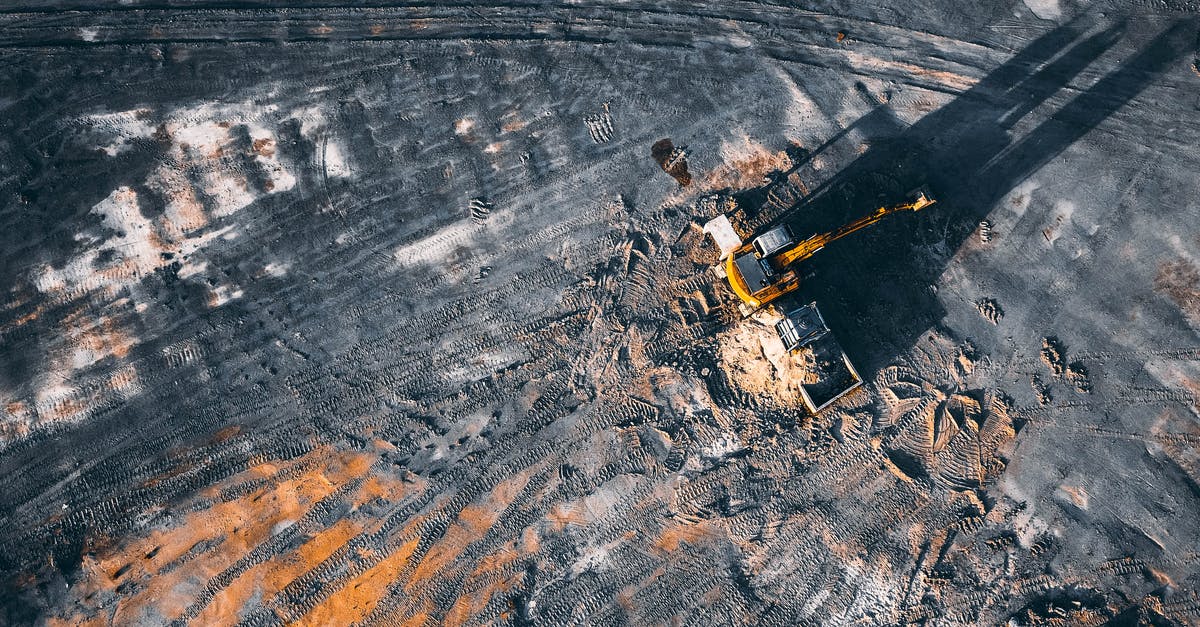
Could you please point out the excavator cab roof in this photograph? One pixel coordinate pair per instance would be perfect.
(752, 269)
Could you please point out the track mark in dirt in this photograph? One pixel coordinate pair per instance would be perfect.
(672, 159)
(1054, 355)
(480, 209)
(287, 505)
(600, 126)
(1041, 389)
(938, 428)
(595, 362)
(990, 310)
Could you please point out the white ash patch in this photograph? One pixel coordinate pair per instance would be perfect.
(334, 161)
(724, 446)
(223, 294)
(463, 126)
(120, 128)
(1017, 201)
(276, 269)
(594, 559)
(1044, 9)
(314, 126)
(435, 249)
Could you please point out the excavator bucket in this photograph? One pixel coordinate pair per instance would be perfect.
(720, 229)
(920, 198)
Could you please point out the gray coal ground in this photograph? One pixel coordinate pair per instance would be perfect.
(402, 314)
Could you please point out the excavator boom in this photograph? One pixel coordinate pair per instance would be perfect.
(808, 247)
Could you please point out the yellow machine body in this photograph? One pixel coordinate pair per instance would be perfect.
(778, 272)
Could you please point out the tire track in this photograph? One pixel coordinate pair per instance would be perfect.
(809, 44)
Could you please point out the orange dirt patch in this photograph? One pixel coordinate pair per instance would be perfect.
(691, 533)
(167, 567)
(185, 212)
(101, 337)
(472, 523)
(490, 579)
(225, 434)
(1078, 495)
(66, 408)
(1193, 387)
(268, 578)
(20, 297)
(469, 605)
(563, 514)
(1179, 280)
(378, 487)
(357, 599)
(264, 146)
(749, 169)
(477, 519)
(1159, 577)
(624, 598)
(530, 543)
(653, 380)
(513, 125)
(496, 561)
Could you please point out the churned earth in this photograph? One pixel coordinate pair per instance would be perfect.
(390, 313)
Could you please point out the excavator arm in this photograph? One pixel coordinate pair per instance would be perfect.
(808, 247)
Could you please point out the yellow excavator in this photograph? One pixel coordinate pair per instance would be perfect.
(763, 269)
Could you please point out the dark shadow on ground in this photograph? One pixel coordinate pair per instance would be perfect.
(874, 288)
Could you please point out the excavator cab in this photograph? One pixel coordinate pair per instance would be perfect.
(754, 264)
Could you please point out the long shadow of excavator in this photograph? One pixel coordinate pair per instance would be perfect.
(875, 292)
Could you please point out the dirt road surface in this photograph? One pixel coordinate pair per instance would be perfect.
(401, 313)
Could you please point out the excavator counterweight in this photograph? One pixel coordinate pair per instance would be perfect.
(764, 268)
